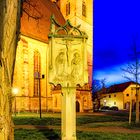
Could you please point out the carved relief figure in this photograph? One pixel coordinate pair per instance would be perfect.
(75, 65)
(60, 64)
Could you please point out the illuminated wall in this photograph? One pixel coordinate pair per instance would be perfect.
(31, 34)
(120, 99)
(24, 72)
(113, 99)
(130, 94)
(81, 13)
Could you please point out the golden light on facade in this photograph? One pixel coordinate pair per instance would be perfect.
(104, 101)
(32, 42)
(15, 90)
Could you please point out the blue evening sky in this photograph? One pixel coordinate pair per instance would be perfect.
(116, 25)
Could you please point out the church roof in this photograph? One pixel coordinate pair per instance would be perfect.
(38, 27)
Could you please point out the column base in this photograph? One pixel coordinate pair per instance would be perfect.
(69, 138)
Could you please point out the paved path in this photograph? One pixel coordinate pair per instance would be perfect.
(113, 129)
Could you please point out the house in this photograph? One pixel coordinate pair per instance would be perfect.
(32, 54)
(119, 95)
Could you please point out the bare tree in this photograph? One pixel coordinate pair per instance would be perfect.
(97, 89)
(29, 7)
(132, 72)
(103, 82)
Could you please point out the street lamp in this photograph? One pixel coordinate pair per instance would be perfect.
(38, 77)
(104, 102)
(15, 92)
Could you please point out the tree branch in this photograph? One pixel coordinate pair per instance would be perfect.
(31, 10)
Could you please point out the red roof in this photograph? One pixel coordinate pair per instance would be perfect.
(40, 28)
(118, 87)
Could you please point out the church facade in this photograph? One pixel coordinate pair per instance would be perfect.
(31, 67)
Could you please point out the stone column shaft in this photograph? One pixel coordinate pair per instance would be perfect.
(68, 114)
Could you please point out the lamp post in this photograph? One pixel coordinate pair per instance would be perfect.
(39, 98)
(37, 76)
(15, 92)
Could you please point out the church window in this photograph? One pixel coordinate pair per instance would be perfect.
(67, 8)
(25, 55)
(56, 102)
(84, 9)
(25, 69)
(37, 71)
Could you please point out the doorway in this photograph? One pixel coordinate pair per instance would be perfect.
(77, 106)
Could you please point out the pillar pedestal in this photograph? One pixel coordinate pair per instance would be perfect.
(68, 114)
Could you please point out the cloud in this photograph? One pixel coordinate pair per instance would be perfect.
(113, 75)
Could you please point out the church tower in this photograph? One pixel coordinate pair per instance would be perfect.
(80, 12)
(31, 66)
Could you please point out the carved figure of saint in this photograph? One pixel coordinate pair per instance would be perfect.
(76, 65)
(60, 64)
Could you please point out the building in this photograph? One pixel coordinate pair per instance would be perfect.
(31, 67)
(80, 12)
(119, 95)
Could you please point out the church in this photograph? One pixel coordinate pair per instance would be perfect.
(32, 54)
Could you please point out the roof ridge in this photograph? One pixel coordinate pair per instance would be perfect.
(118, 87)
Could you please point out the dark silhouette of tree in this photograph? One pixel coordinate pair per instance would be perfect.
(98, 89)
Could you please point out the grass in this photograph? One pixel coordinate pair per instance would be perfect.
(106, 136)
(115, 124)
(23, 134)
(30, 120)
(36, 121)
(94, 119)
(88, 121)
(132, 126)
(106, 124)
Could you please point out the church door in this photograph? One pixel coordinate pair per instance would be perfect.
(77, 106)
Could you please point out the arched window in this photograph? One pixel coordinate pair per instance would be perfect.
(25, 68)
(37, 72)
(55, 102)
(77, 106)
(84, 9)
